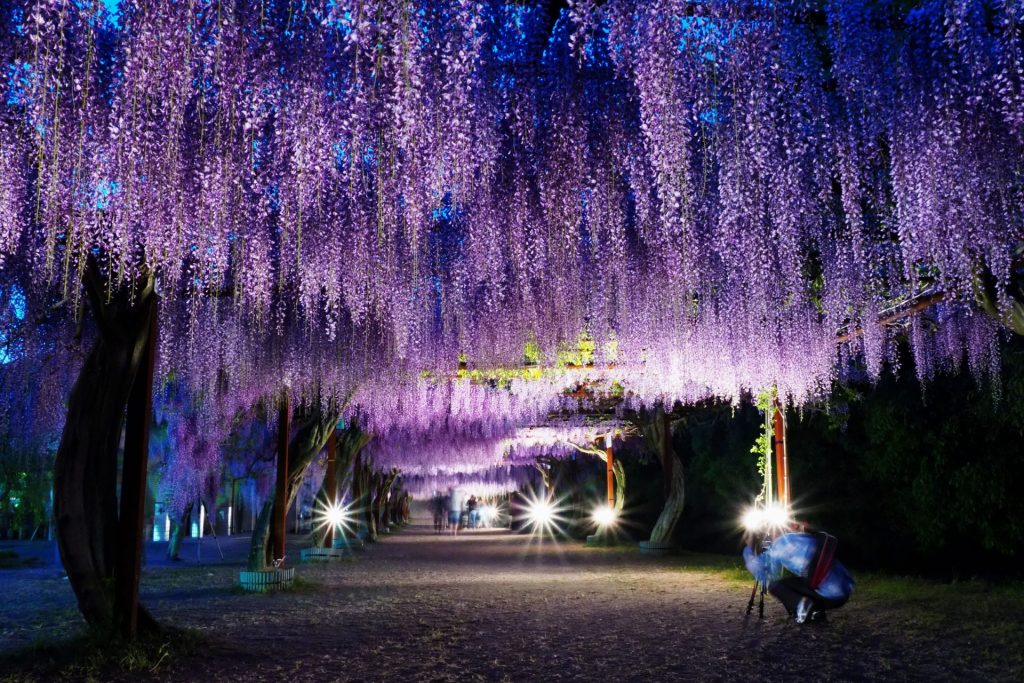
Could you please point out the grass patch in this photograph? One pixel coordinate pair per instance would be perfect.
(914, 589)
(982, 606)
(726, 566)
(978, 610)
(303, 585)
(95, 655)
(934, 601)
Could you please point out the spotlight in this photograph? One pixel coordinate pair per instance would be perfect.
(753, 518)
(605, 516)
(771, 517)
(777, 516)
(541, 513)
(335, 516)
(487, 514)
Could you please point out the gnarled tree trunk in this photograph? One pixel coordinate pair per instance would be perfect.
(309, 440)
(406, 508)
(86, 467)
(665, 528)
(362, 494)
(179, 527)
(379, 507)
(393, 508)
(350, 441)
(371, 512)
(658, 432)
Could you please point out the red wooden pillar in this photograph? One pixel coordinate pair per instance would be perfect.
(331, 483)
(284, 421)
(128, 559)
(611, 470)
(781, 459)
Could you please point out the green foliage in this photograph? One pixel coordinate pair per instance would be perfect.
(97, 656)
(715, 452)
(925, 482)
(25, 480)
(581, 353)
(532, 353)
(762, 447)
(928, 480)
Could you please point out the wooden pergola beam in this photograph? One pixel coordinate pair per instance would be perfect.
(897, 313)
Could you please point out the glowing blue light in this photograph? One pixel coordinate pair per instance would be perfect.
(105, 189)
(113, 12)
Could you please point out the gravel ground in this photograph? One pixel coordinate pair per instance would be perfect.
(494, 606)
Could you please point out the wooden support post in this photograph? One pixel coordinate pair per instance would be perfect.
(781, 459)
(610, 470)
(331, 483)
(280, 524)
(128, 558)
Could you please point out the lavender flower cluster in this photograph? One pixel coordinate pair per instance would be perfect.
(346, 197)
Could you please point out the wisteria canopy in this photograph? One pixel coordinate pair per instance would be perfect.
(356, 198)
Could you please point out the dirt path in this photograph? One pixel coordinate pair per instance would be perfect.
(497, 606)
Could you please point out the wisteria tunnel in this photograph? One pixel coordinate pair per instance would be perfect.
(512, 340)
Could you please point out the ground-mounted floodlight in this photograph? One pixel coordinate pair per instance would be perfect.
(488, 513)
(605, 516)
(542, 515)
(335, 516)
(771, 517)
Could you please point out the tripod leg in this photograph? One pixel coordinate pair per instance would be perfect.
(753, 594)
(760, 609)
(217, 541)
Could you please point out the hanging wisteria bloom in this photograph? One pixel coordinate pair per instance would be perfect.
(352, 200)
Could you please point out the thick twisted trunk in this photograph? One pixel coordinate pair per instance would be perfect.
(350, 441)
(371, 513)
(179, 527)
(86, 467)
(406, 508)
(392, 510)
(311, 437)
(619, 472)
(259, 547)
(362, 494)
(658, 432)
(665, 528)
(379, 507)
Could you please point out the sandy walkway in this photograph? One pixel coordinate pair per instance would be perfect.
(498, 606)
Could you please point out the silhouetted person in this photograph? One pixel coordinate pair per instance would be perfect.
(818, 581)
(455, 504)
(438, 506)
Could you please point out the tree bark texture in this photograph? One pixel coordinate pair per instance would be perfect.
(278, 524)
(139, 418)
(310, 438)
(179, 527)
(85, 470)
(349, 442)
(372, 513)
(619, 472)
(362, 493)
(392, 510)
(659, 435)
(380, 499)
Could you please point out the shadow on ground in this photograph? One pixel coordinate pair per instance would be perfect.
(490, 605)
